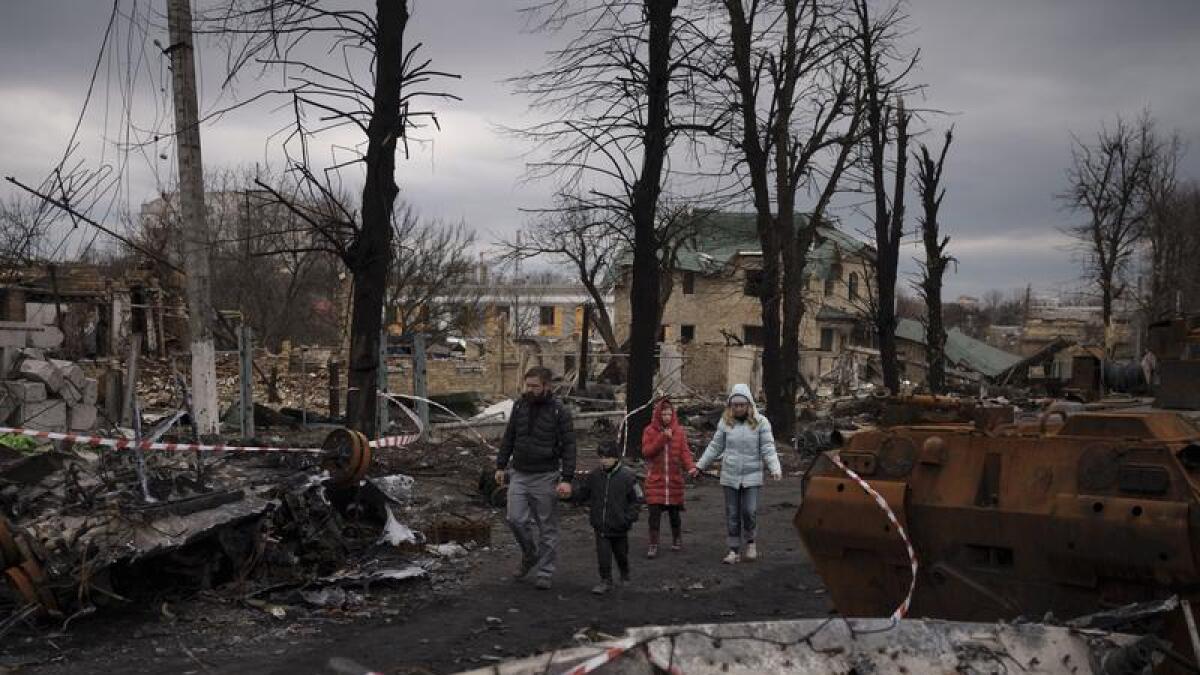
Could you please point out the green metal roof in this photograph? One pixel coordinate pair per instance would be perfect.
(962, 350)
(722, 235)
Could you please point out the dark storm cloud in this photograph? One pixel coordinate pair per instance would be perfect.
(1017, 77)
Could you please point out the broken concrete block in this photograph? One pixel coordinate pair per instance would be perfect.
(25, 391)
(8, 360)
(33, 353)
(72, 372)
(82, 418)
(48, 415)
(70, 394)
(48, 337)
(8, 406)
(12, 337)
(91, 391)
(44, 372)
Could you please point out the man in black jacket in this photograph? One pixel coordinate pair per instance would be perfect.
(538, 456)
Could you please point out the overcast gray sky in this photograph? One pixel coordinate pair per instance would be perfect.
(1018, 77)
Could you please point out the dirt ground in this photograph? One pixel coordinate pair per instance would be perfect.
(468, 615)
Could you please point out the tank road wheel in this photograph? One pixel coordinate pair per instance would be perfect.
(346, 456)
(10, 554)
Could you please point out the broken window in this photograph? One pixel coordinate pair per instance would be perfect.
(752, 335)
(568, 363)
(826, 339)
(829, 286)
(546, 315)
(753, 285)
(853, 285)
(687, 333)
(689, 283)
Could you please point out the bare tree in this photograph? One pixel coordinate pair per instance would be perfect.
(272, 34)
(883, 73)
(24, 225)
(1111, 184)
(795, 88)
(431, 282)
(933, 268)
(582, 240)
(1173, 238)
(619, 93)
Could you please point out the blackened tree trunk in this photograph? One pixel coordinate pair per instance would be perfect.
(929, 187)
(889, 227)
(370, 255)
(644, 289)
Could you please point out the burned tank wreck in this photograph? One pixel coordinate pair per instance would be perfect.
(1063, 515)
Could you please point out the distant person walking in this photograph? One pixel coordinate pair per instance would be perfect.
(743, 442)
(537, 460)
(668, 458)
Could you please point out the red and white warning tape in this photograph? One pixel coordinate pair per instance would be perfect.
(131, 444)
(902, 610)
(615, 651)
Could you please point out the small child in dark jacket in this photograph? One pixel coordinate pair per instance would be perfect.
(613, 495)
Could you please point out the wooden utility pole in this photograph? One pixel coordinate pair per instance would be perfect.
(194, 225)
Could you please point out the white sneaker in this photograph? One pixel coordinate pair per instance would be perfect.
(730, 558)
(751, 553)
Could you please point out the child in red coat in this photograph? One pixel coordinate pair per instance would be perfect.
(668, 458)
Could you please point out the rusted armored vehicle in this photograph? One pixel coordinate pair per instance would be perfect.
(1065, 517)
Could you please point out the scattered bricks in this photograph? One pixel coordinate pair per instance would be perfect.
(91, 391)
(82, 418)
(24, 391)
(44, 372)
(49, 415)
(71, 371)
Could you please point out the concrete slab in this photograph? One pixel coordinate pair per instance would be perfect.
(26, 391)
(71, 371)
(44, 372)
(48, 415)
(82, 418)
(91, 391)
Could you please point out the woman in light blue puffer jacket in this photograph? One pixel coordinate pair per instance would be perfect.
(743, 442)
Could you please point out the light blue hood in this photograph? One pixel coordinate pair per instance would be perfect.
(743, 391)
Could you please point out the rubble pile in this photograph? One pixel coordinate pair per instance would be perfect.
(82, 530)
(299, 389)
(39, 392)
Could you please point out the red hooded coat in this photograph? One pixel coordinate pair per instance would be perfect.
(666, 462)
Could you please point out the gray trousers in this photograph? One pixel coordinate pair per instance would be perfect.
(533, 517)
(741, 522)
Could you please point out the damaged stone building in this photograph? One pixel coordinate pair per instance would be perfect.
(714, 313)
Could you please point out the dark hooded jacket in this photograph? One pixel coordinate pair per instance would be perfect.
(540, 438)
(613, 498)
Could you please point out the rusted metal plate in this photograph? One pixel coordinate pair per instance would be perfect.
(10, 554)
(460, 529)
(1018, 522)
(347, 456)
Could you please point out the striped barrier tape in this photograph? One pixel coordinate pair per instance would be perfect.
(902, 610)
(131, 444)
(616, 650)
